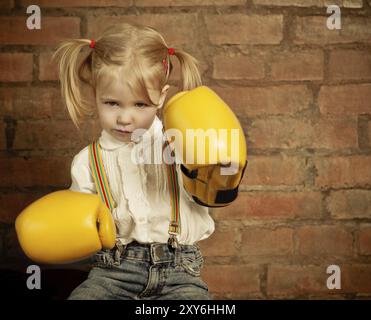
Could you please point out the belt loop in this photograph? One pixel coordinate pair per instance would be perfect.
(118, 249)
(178, 255)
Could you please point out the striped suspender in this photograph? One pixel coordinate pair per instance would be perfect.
(101, 183)
(99, 174)
(172, 178)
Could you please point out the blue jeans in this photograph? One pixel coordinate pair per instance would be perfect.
(137, 271)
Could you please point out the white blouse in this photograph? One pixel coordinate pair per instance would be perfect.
(143, 211)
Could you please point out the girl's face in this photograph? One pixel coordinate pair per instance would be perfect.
(119, 110)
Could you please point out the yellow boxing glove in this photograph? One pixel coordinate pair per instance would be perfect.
(206, 128)
(65, 226)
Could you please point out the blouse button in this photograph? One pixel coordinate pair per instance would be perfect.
(142, 220)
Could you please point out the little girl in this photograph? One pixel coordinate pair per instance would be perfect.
(128, 68)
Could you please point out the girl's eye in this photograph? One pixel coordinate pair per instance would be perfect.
(111, 103)
(141, 105)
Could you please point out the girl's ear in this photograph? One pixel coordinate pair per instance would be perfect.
(164, 91)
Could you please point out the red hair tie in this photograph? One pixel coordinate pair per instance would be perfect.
(171, 52)
(92, 43)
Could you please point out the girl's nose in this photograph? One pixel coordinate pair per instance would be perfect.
(124, 118)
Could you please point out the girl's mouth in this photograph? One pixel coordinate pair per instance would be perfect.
(122, 131)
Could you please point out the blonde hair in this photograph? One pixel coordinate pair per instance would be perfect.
(132, 50)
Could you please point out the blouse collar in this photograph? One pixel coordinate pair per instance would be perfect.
(109, 142)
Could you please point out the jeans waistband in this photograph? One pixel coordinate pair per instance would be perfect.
(151, 252)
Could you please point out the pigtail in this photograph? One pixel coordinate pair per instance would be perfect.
(70, 71)
(190, 73)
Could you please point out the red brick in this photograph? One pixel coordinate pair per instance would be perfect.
(356, 278)
(295, 280)
(177, 29)
(14, 203)
(80, 3)
(198, 3)
(211, 246)
(52, 135)
(7, 4)
(343, 171)
(244, 29)
(2, 136)
(54, 29)
(6, 102)
(313, 30)
(335, 132)
(345, 99)
(323, 240)
(288, 133)
(275, 171)
(47, 69)
(350, 64)
(262, 241)
(31, 102)
(36, 171)
(365, 239)
(309, 3)
(350, 204)
(274, 100)
(237, 67)
(302, 65)
(232, 278)
(271, 205)
(16, 67)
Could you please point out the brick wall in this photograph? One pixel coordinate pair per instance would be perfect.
(302, 93)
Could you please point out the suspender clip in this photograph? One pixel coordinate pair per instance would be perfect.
(173, 241)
